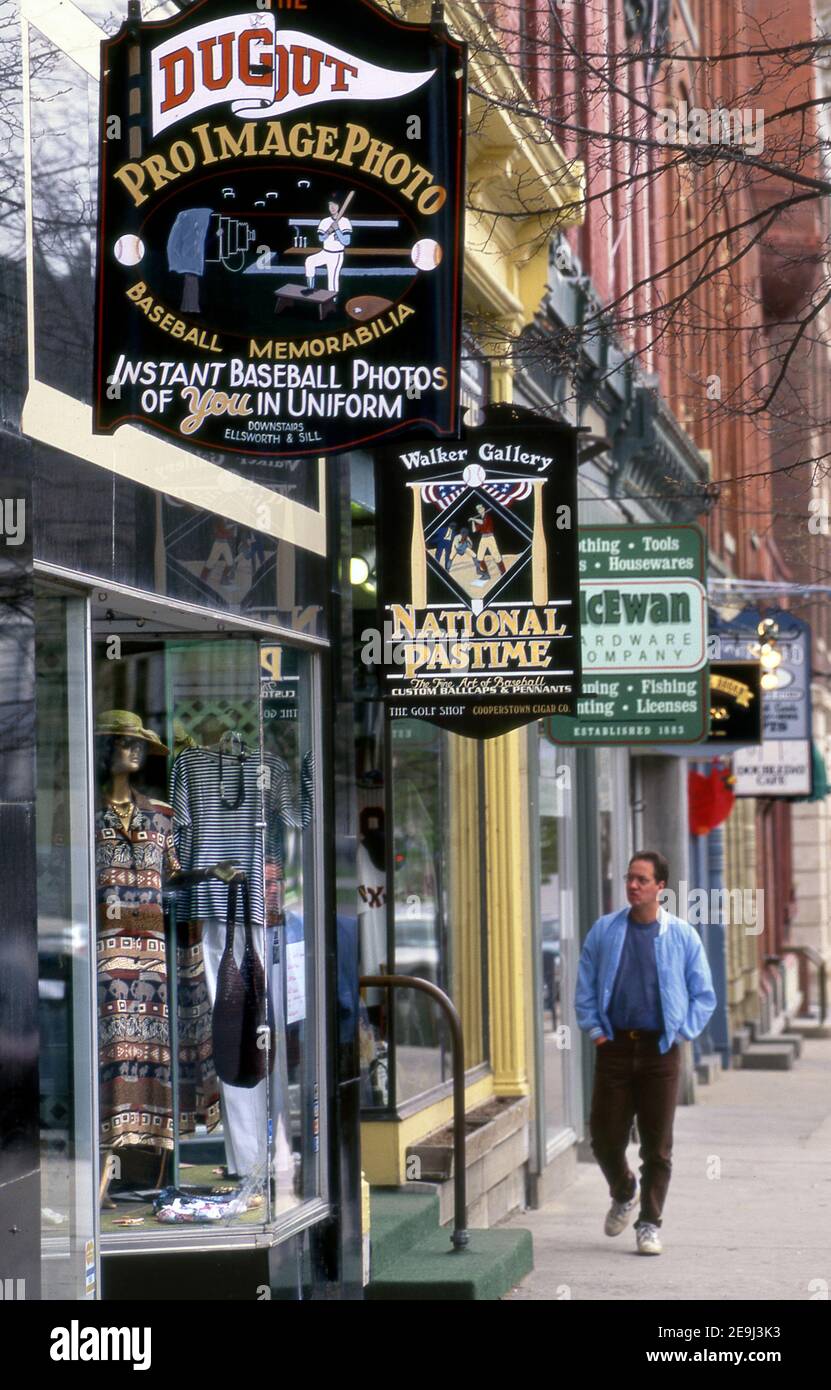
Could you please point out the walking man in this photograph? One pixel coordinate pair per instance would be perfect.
(643, 984)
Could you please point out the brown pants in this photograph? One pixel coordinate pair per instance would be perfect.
(633, 1080)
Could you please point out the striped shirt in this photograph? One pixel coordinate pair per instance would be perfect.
(224, 819)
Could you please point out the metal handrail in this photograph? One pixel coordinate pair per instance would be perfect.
(461, 1236)
(811, 955)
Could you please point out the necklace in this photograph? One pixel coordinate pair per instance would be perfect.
(240, 793)
(123, 809)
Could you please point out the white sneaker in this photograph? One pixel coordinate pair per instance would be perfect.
(620, 1214)
(649, 1241)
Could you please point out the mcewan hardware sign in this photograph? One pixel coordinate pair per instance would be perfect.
(478, 578)
(643, 625)
(279, 260)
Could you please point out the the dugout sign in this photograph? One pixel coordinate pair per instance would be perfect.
(478, 578)
(736, 703)
(279, 250)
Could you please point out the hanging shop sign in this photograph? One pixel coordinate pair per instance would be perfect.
(643, 624)
(279, 241)
(477, 577)
(787, 684)
(779, 768)
(736, 703)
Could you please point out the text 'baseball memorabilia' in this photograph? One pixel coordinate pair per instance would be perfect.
(280, 205)
(478, 578)
(643, 612)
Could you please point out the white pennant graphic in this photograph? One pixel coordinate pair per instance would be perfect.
(262, 72)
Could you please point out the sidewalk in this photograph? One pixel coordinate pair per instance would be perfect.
(760, 1230)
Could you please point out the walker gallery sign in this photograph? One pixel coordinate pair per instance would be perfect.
(279, 247)
(477, 549)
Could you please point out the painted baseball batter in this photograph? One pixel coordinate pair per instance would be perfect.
(335, 234)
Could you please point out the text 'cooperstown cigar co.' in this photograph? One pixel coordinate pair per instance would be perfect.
(280, 204)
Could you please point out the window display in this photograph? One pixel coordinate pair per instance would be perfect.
(134, 858)
(203, 835)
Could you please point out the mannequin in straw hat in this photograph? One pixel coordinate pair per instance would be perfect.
(135, 861)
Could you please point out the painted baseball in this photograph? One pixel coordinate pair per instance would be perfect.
(474, 475)
(426, 254)
(129, 250)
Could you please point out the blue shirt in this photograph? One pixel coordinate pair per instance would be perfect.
(636, 996)
(685, 984)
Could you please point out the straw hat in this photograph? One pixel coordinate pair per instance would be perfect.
(121, 723)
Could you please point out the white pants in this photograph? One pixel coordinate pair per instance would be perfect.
(331, 262)
(245, 1112)
(488, 549)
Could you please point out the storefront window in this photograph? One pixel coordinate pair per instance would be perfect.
(436, 899)
(420, 865)
(288, 737)
(64, 943)
(207, 1037)
(554, 802)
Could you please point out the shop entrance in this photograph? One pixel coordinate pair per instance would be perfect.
(178, 779)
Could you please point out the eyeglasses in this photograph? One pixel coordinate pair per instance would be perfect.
(639, 879)
(130, 745)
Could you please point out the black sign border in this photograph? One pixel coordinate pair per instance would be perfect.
(130, 29)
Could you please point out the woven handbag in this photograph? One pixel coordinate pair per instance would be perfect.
(243, 1019)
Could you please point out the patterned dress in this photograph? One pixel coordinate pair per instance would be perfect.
(135, 1075)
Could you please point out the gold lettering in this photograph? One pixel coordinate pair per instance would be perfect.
(229, 148)
(274, 142)
(326, 137)
(356, 140)
(201, 133)
(403, 620)
(375, 158)
(158, 170)
(132, 176)
(301, 150)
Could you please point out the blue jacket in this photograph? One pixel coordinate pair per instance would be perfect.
(684, 980)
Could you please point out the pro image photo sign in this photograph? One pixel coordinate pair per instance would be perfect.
(643, 623)
(279, 241)
(478, 577)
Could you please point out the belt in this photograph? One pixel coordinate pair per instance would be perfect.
(636, 1033)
